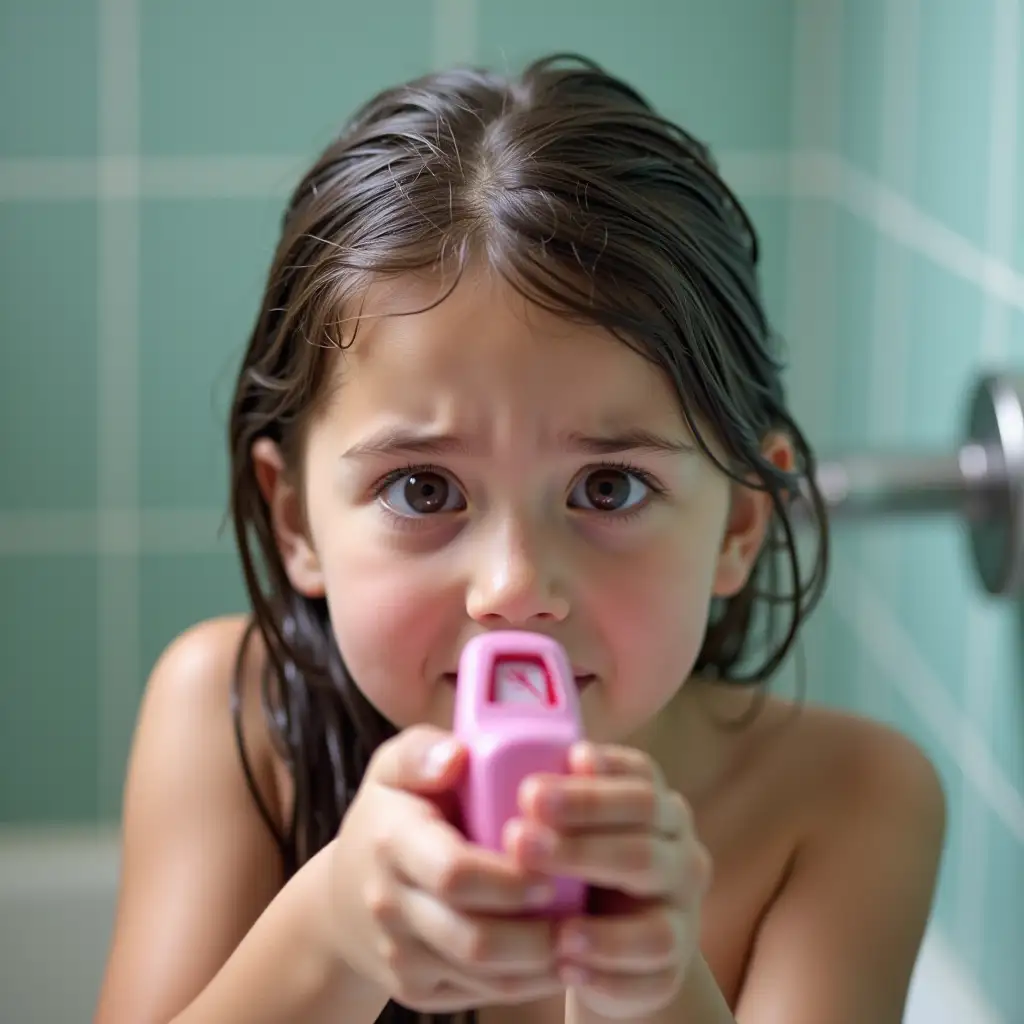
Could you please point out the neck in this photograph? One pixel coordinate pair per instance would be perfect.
(694, 739)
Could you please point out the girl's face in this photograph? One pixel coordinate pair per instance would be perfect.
(487, 465)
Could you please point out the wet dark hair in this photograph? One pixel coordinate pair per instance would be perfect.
(567, 182)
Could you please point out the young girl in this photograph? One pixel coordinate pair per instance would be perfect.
(511, 371)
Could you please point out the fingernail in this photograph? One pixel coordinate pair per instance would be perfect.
(439, 756)
(540, 894)
(573, 976)
(573, 942)
(585, 758)
(540, 845)
(552, 803)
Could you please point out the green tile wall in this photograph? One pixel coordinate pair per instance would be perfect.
(218, 104)
(48, 330)
(927, 122)
(230, 100)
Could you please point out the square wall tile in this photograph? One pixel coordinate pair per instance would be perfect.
(933, 602)
(945, 325)
(177, 591)
(1018, 233)
(1005, 728)
(960, 809)
(1016, 339)
(956, 48)
(771, 221)
(259, 76)
(856, 255)
(810, 318)
(861, 59)
(1000, 970)
(882, 697)
(721, 67)
(833, 651)
(203, 268)
(48, 60)
(49, 691)
(48, 334)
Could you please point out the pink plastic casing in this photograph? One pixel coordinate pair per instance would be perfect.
(507, 741)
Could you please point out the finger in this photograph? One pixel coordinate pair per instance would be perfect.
(421, 979)
(513, 987)
(483, 947)
(638, 863)
(435, 857)
(652, 939)
(568, 802)
(623, 996)
(523, 990)
(609, 759)
(444, 996)
(421, 759)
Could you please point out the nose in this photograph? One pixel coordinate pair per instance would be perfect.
(516, 579)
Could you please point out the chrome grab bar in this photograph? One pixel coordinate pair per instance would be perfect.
(982, 483)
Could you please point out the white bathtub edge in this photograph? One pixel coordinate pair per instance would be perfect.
(59, 859)
(942, 991)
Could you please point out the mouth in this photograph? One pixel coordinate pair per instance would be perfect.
(582, 679)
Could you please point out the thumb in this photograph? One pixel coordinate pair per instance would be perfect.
(420, 759)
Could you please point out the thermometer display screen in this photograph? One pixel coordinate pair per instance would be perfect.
(522, 681)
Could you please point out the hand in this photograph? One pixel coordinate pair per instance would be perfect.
(420, 911)
(613, 823)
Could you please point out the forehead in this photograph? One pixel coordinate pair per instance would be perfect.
(486, 352)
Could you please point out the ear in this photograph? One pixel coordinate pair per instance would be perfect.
(287, 520)
(750, 513)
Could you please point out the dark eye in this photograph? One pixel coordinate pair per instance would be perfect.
(608, 490)
(422, 494)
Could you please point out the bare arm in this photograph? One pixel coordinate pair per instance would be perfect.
(840, 943)
(282, 974)
(204, 930)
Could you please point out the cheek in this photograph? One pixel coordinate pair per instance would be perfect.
(657, 611)
(386, 614)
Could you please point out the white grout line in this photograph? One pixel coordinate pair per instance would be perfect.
(220, 177)
(455, 27)
(251, 176)
(898, 218)
(126, 532)
(47, 179)
(118, 392)
(804, 173)
(57, 864)
(889, 342)
(809, 312)
(897, 657)
(164, 177)
(982, 619)
(810, 304)
(757, 172)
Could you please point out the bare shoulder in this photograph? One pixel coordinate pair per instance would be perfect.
(842, 766)
(192, 693)
(841, 938)
(199, 864)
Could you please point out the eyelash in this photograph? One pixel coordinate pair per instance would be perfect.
(656, 489)
(413, 523)
(404, 522)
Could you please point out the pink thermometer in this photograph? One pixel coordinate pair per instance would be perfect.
(517, 712)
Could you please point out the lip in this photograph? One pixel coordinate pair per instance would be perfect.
(582, 679)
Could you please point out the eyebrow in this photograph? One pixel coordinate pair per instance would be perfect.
(403, 441)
